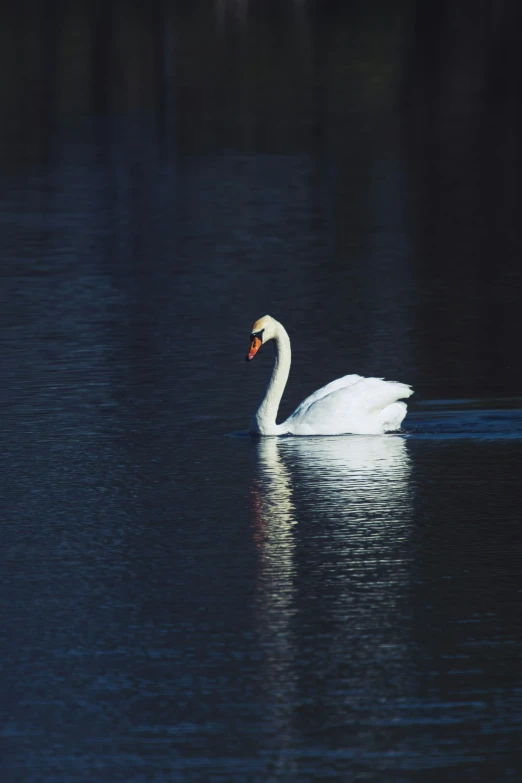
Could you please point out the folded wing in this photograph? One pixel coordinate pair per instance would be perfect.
(351, 404)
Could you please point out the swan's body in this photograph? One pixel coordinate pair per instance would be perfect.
(352, 404)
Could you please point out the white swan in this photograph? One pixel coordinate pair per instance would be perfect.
(352, 404)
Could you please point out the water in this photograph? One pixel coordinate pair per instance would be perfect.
(181, 602)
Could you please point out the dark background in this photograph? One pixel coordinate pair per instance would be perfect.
(181, 605)
(352, 85)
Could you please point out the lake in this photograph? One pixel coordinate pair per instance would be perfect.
(181, 601)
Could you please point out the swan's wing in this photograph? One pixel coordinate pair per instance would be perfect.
(356, 406)
(333, 386)
(375, 394)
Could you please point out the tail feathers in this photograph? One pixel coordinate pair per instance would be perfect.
(379, 394)
(402, 389)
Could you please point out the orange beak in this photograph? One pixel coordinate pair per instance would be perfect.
(255, 345)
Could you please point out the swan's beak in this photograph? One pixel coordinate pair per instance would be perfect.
(255, 345)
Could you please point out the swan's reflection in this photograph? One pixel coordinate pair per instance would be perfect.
(274, 517)
(346, 502)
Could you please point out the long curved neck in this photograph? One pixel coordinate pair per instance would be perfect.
(264, 419)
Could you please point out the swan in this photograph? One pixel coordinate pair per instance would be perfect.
(348, 405)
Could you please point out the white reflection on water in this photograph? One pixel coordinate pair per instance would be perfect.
(274, 516)
(347, 502)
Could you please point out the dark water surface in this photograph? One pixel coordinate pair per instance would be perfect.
(180, 602)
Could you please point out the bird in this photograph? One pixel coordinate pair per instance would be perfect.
(349, 405)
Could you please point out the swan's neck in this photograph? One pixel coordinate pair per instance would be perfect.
(264, 419)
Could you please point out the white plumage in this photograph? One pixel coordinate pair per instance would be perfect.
(352, 404)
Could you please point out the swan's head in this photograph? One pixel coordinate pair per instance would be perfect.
(264, 329)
